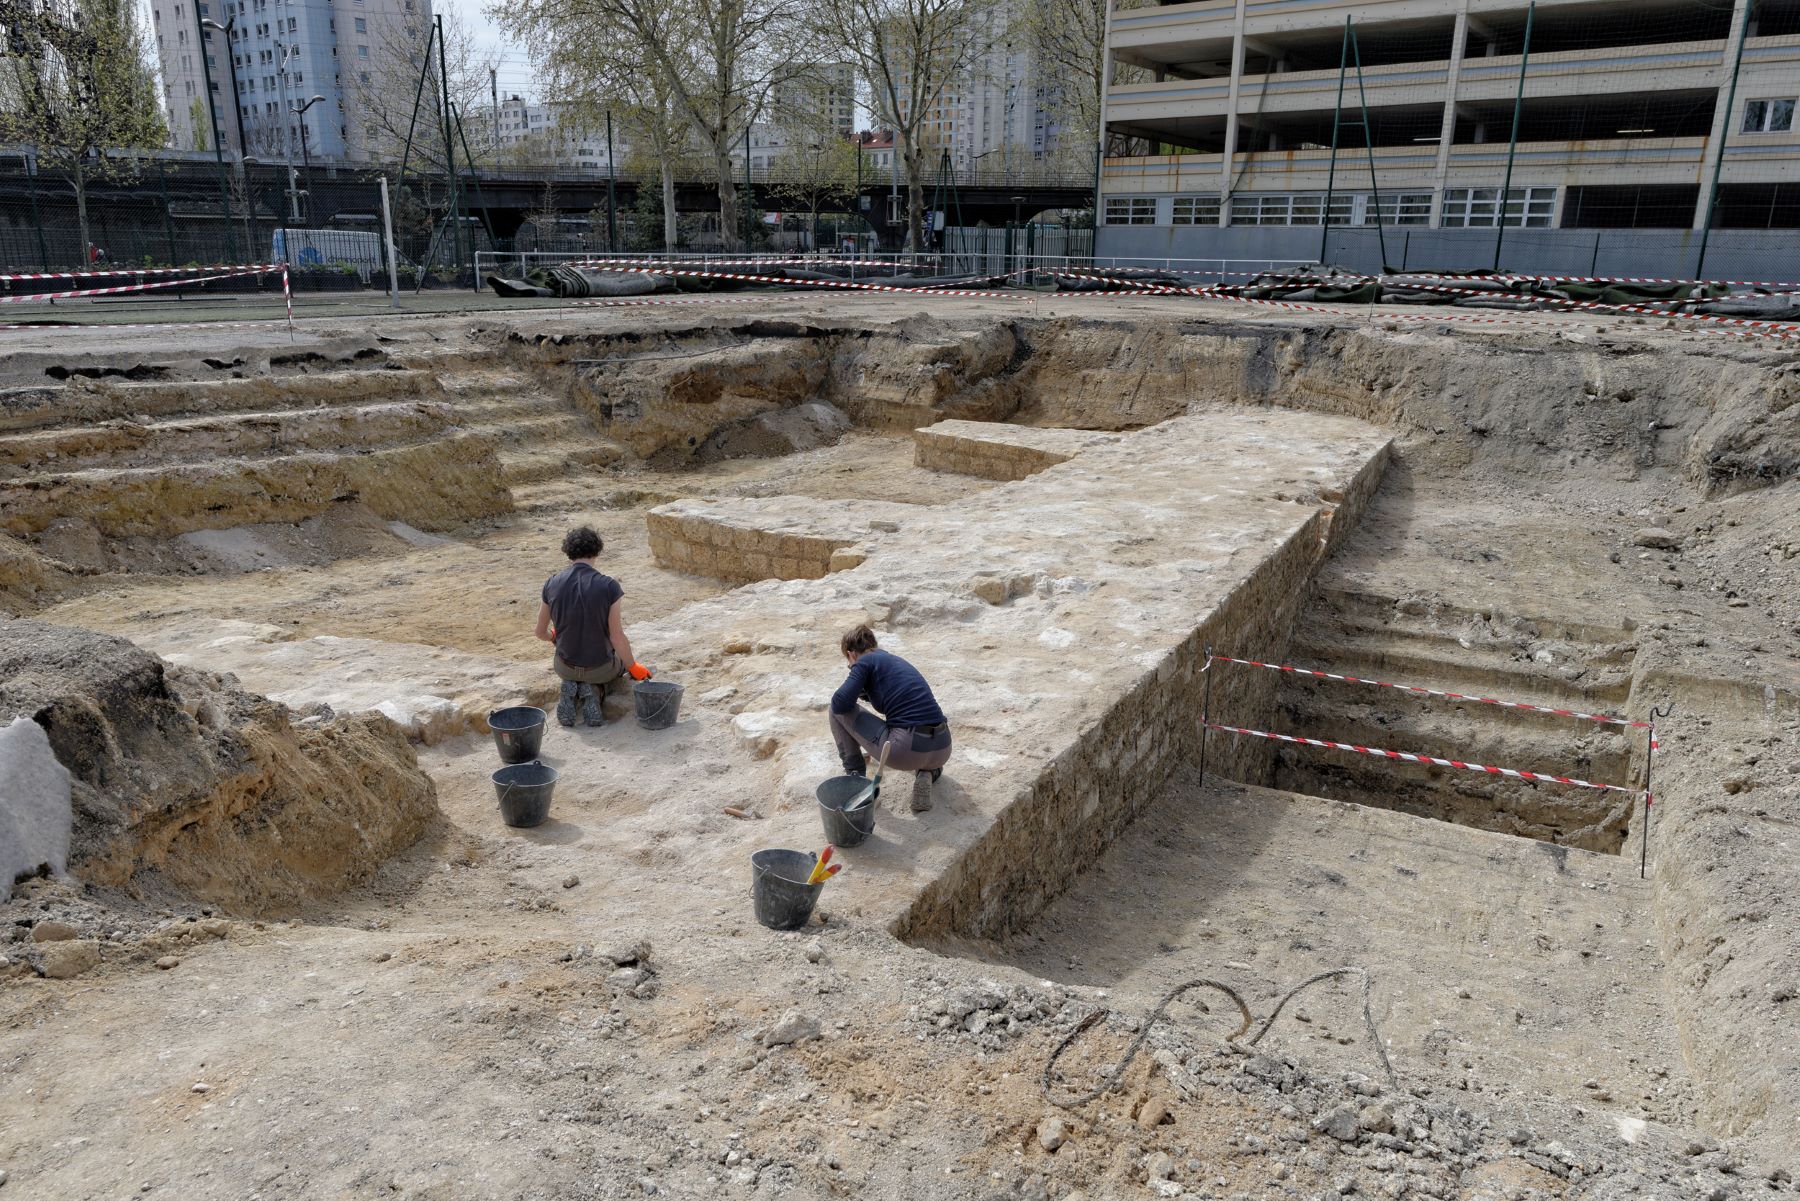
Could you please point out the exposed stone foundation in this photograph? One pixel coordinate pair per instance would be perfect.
(741, 540)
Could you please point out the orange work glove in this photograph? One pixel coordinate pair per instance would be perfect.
(639, 672)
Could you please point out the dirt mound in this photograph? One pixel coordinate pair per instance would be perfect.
(184, 784)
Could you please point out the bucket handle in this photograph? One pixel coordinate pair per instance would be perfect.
(506, 789)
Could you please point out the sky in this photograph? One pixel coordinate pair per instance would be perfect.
(514, 67)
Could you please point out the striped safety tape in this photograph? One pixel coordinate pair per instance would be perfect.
(234, 267)
(1606, 718)
(35, 297)
(1774, 329)
(1412, 757)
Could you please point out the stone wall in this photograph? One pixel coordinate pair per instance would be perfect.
(996, 451)
(1062, 621)
(1105, 778)
(744, 539)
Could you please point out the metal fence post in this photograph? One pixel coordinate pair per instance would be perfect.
(162, 184)
(1512, 148)
(387, 233)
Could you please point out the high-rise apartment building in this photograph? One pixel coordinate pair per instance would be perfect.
(527, 132)
(999, 115)
(263, 59)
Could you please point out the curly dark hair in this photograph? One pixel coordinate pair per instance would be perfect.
(582, 542)
(859, 641)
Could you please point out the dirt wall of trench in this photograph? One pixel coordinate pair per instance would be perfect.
(1725, 417)
(1727, 891)
(185, 785)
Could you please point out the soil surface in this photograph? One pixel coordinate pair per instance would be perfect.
(587, 1009)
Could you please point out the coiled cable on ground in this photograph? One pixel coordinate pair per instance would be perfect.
(1113, 1075)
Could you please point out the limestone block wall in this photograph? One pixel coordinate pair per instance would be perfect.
(1062, 620)
(744, 539)
(997, 451)
(1115, 768)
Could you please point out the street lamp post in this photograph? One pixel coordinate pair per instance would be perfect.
(306, 155)
(287, 129)
(237, 100)
(218, 133)
(237, 108)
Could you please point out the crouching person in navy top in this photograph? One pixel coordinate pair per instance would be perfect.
(906, 721)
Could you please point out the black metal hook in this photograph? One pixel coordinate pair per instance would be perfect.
(1662, 712)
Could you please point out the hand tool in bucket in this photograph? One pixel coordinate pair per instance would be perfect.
(868, 795)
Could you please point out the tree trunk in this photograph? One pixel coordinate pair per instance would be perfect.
(81, 217)
(915, 199)
(671, 230)
(728, 202)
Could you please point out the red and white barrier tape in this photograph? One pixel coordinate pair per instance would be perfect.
(114, 291)
(1774, 329)
(1597, 279)
(1412, 757)
(1606, 718)
(246, 268)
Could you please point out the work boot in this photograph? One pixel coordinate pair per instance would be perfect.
(565, 704)
(921, 791)
(593, 697)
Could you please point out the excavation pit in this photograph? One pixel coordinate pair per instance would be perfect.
(513, 1010)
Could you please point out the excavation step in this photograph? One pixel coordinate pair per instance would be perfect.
(997, 451)
(127, 443)
(1441, 662)
(535, 463)
(33, 408)
(430, 485)
(534, 430)
(743, 539)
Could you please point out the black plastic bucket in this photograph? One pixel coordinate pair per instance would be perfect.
(778, 882)
(841, 828)
(518, 732)
(524, 790)
(658, 703)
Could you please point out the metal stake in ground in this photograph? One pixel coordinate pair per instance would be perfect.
(1205, 708)
(1649, 761)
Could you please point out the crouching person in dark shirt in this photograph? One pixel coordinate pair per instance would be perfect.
(906, 721)
(581, 615)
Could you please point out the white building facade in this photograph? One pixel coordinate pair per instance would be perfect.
(264, 58)
(535, 134)
(1221, 127)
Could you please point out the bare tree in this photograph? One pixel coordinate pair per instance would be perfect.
(815, 163)
(628, 85)
(714, 59)
(911, 52)
(396, 94)
(79, 87)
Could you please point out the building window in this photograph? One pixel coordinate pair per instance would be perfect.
(362, 52)
(1399, 208)
(1478, 208)
(1769, 116)
(1131, 210)
(362, 26)
(1196, 210)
